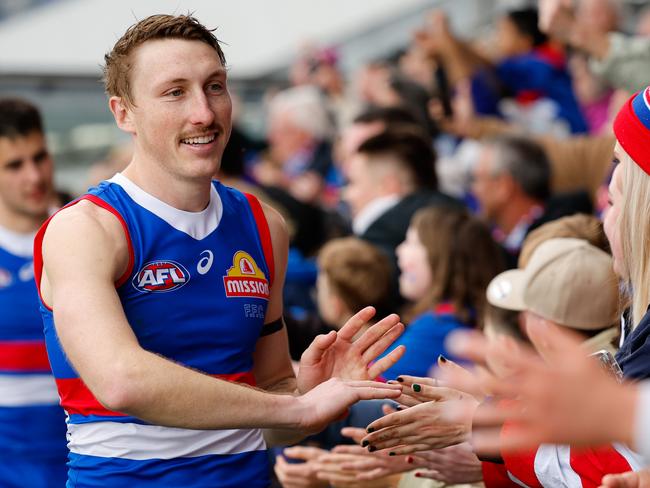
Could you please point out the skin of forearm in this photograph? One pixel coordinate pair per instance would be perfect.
(286, 385)
(161, 392)
(283, 437)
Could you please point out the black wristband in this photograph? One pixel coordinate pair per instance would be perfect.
(272, 327)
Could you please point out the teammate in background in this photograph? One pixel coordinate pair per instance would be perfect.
(161, 293)
(32, 425)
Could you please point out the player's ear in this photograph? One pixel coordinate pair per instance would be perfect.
(122, 113)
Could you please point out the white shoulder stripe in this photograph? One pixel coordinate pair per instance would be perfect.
(140, 442)
(553, 467)
(22, 390)
(195, 224)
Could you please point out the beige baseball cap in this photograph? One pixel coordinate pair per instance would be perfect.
(567, 280)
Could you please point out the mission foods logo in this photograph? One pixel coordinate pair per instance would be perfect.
(245, 278)
(160, 276)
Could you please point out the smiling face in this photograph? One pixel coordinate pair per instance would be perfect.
(25, 177)
(181, 117)
(415, 271)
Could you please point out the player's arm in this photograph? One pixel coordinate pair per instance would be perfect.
(272, 363)
(84, 252)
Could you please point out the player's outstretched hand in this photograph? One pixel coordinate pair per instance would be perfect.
(338, 355)
(330, 401)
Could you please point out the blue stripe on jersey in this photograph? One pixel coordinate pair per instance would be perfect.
(250, 470)
(4, 372)
(84, 419)
(19, 301)
(61, 368)
(32, 437)
(33, 432)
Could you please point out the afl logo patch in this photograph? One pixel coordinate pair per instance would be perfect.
(160, 276)
(245, 278)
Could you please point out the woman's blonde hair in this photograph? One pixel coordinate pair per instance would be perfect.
(634, 234)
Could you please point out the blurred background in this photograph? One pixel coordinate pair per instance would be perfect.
(51, 52)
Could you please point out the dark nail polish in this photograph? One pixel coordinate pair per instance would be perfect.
(418, 475)
(365, 444)
(416, 388)
(391, 453)
(442, 359)
(409, 459)
(372, 448)
(370, 430)
(400, 379)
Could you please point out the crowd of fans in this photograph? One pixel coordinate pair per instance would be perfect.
(425, 178)
(462, 182)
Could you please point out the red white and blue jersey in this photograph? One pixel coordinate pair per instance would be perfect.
(196, 292)
(559, 465)
(32, 424)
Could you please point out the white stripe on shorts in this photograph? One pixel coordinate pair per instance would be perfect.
(140, 442)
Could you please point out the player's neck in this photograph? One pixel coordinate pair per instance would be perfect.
(182, 194)
(20, 223)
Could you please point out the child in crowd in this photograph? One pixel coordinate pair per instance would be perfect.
(558, 285)
(351, 273)
(446, 263)
(579, 226)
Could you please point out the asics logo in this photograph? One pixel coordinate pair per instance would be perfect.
(205, 263)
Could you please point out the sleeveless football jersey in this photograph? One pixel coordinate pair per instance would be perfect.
(196, 292)
(32, 424)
